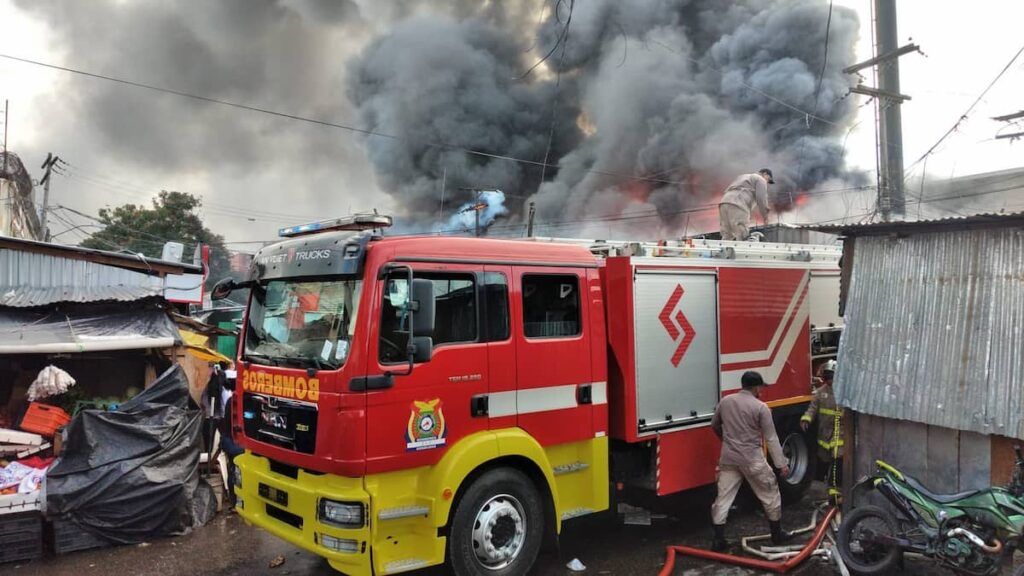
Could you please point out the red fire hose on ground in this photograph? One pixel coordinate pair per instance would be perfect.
(779, 567)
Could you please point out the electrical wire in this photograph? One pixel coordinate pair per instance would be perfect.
(817, 93)
(363, 131)
(560, 41)
(135, 191)
(964, 116)
(558, 84)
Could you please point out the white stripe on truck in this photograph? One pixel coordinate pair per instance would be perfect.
(534, 400)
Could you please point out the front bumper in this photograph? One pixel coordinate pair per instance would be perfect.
(295, 519)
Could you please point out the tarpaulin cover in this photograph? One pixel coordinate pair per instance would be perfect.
(131, 474)
(85, 329)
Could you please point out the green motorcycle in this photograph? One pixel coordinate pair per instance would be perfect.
(970, 533)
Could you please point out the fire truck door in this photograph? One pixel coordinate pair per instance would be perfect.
(414, 418)
(555, 390)
(496, 319)
(676, 315)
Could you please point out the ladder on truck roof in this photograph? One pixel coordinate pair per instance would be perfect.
(703, 248)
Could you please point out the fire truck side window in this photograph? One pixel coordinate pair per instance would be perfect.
(551, 306)
(496, 317)
(455, 314)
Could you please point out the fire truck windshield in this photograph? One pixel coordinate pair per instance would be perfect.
(302, 323)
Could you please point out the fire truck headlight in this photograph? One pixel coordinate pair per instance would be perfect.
(339, 544)
(343, 514)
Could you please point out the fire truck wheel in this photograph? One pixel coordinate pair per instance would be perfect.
(801, 457)
(497, 526)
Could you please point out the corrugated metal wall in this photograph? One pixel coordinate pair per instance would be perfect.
(30, 279)
(934, 325)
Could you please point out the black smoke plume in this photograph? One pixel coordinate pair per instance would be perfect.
(647, 107)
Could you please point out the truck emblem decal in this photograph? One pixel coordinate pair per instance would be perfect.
(426, 429)
(685, 329)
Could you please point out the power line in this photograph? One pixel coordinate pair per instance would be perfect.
(558, 85)
(118, 225)
(817, 92)
(964, 116)
(134, 192)
(970, 195)
(152, 191)
(619, 217)
(364, 131)
(562, 38)
(754, 89)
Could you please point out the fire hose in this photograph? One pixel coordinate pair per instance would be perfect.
(780, 566)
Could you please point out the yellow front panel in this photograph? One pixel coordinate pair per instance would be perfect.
(303, 493)
(405, 509)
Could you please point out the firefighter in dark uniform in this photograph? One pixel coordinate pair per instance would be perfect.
(830, 434)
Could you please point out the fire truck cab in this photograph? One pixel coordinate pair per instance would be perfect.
(410, 401)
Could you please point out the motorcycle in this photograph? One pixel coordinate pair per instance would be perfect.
(971, 532)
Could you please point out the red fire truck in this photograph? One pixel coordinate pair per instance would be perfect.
(410, 401)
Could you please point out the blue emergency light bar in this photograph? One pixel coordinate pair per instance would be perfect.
(353, 222)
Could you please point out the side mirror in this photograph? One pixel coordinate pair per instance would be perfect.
(223, 289)
(424, 349)
(423, 308)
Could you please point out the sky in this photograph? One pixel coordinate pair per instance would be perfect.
(965, 46)
(257, 172)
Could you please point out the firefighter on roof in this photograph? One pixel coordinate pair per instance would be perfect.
(745, 192)
(744, 423)
(830, 437)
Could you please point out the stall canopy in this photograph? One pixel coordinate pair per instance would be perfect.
(86, 329)
(198, 345)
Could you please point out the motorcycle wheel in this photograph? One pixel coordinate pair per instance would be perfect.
(865, 558)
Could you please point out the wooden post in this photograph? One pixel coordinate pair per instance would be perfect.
(849, 418)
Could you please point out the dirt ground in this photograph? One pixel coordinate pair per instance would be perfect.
(602, 543)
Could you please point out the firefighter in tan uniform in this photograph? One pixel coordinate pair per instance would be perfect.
(744, 424)
(830, 437)
(739, 200)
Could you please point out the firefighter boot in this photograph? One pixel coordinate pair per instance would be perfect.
(719, 544)
(779, 536)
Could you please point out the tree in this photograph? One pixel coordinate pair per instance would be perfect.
(172, 218)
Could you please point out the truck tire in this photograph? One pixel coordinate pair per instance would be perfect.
(800, 451)
(497, 527)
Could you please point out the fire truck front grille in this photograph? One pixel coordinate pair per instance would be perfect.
(286, 423)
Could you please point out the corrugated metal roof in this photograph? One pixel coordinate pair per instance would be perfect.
(934, 225)
(31, 279)
(119, 259)
(934, 326)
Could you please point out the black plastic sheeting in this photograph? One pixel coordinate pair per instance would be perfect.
(133, 474)
(130, 325)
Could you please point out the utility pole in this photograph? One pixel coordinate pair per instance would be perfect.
(476, 206)
(891, 199)
(444, 181)
(48, 166)
(890, 130)
(7, 104)
(529, 222)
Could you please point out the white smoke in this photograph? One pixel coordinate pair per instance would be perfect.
(490, 204)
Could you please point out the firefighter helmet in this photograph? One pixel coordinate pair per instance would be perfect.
(829, 368)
